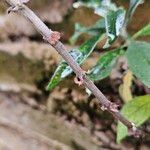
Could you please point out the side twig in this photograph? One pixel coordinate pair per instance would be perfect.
(53, 38)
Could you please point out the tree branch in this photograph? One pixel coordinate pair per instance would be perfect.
(53, 39)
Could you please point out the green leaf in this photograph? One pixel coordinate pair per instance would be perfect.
(114, 21)
(96, 29)
(79, 54)
(138, 55)
(114, 17)
(133, 5)
(137, 111)
(143, 32)
(104, 65)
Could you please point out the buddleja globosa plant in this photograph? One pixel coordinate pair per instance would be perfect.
(112, 24)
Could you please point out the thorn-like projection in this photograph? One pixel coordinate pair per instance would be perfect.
(9, 10)
(103, 108)
(14, 8)
(54, 37)
(113, 107)
(18, 6)
(134, 131)
(79, 79)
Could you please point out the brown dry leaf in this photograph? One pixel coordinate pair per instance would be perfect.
(125, 88)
